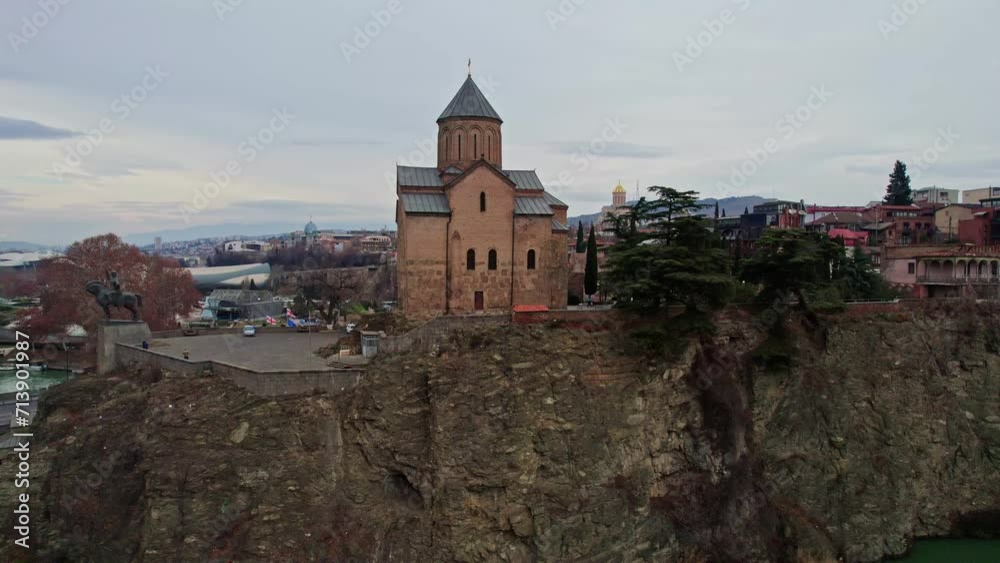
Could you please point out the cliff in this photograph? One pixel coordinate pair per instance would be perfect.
(542, 444)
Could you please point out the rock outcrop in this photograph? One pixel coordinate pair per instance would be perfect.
(540, 444)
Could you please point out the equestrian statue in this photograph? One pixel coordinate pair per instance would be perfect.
(115, 297)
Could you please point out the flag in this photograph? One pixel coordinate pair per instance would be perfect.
(290, 314)
(271, 321)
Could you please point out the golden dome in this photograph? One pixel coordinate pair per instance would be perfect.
(620, 189)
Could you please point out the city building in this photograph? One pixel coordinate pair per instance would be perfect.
(898, 225)
(241, 305)
(474, 236)
(247, 246)
(948, 218)
(977, 196)
(608, 212)
(935, 195)
(942, 271)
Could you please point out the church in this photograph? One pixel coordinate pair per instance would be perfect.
(473, 235)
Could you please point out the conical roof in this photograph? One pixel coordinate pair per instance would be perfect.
(470, 102)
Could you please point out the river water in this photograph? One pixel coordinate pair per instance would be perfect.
(39, 380)
(954, 551)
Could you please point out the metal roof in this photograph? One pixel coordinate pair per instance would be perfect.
(418, 177)
(557, 226)
(470, 102)
(431, 204)
(525, 179)
(531, 206)
(553, 200)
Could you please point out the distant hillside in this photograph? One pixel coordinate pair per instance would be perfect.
(21, 246)
(733, 206)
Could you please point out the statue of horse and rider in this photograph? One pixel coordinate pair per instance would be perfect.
(114, 296)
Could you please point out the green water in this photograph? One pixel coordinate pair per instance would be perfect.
(39, 380)
(955, 551)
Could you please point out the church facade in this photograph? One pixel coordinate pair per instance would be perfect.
(474, 236)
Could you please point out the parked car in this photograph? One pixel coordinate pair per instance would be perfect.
(249, 330)
(351, 327)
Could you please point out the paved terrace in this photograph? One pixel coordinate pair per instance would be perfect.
(264, 352)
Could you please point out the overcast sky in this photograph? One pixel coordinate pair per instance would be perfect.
(210, 75)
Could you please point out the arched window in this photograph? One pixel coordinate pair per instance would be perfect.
(447, 146)
(460, 147)
(489, 147)
(475, 146)
(470, 260)
(493, 260)
(482, 202)
(531, 259)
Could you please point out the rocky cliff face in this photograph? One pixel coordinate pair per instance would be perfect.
(540, 444)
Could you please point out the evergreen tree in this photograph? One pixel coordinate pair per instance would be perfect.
(746, 210)
(675, 259)
(253, 285)
(581, 244)
(898, 192)
(590, 273)
(723, 213)
(716, 210)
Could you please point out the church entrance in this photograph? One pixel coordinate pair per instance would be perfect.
(480, 301)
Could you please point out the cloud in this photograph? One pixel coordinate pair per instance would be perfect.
(615, 150)
(16, 129)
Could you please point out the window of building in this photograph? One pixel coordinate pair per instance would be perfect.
(911, 268)
(460, 147)
(482, 202)
(475, 146)
(531, 259)
(470, 260)
(493, 260)
(489, 146)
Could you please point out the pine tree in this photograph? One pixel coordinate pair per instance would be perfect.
(581, 244)
(253, 285)
(898, 192)
(716, 210)
(746, 210)
(723, 213)
(590, 273)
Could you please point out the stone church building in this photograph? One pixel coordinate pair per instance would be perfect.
(474, 236)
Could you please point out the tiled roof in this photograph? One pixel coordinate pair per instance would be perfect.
(531, 206)
(418, 177)
(452, 170)
(430, 204)
(553, 200)
(525, 179)
(557, 226)
(470, 102)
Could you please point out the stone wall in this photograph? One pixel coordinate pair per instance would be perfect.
(263, 383)
(112, 333)
(436, 330)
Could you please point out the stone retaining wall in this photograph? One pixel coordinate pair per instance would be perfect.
(436, 330)
(263, 383)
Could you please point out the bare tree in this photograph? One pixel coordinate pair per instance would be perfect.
(327, 290)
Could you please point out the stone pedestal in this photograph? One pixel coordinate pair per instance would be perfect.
(110, 333)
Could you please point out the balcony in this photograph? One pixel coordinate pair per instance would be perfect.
(956, 279)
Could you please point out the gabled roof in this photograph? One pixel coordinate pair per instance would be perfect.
(525, 179)
(531, 206)
(553, 200)
(452, 170)
(470, 102)
(425, 204)
(418, 177)
(557, 226)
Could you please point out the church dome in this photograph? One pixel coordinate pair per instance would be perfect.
(620, 189)
(311, 228)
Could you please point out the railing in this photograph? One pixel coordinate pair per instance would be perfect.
(957, 279)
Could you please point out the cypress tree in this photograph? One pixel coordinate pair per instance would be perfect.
(581, 245)
(590, 273)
